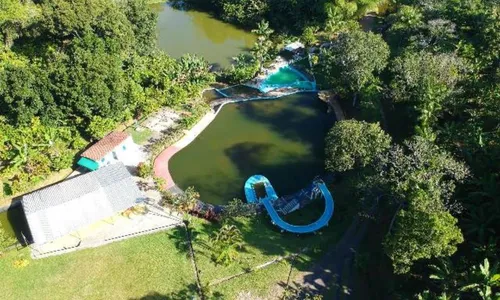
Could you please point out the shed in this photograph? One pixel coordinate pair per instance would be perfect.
(60, 209)
(115, 147)
(292, 47)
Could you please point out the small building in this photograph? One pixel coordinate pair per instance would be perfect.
(115, 147)
(294, 47)
(63, 208)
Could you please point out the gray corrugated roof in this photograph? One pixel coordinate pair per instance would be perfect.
(57, 210)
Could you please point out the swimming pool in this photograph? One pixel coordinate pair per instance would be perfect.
(287, 77)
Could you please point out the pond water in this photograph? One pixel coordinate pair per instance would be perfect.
(181, 32)
(280, 139)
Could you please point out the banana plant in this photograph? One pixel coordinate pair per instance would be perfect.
(482, 279)
(446, 274)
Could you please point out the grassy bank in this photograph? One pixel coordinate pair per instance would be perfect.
(159, 264)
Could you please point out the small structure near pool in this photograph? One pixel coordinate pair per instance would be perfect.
(295, 46)
(60, 209)
(113, 148)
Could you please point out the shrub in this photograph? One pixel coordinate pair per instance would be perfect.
(144, 170)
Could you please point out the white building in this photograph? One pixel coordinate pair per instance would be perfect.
(115, 147)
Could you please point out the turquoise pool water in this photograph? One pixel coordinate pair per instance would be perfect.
(286, 77)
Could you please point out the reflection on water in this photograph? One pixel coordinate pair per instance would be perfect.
(181, 32)
(280, 139)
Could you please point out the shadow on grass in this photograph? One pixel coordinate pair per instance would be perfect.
(189, 292)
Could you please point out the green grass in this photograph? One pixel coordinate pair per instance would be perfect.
(159, 264)
(122, 270)
(140, 137)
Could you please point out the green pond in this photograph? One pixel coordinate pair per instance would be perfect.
(181, 32)
(280, 139)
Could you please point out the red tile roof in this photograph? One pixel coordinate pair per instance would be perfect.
(105, 145)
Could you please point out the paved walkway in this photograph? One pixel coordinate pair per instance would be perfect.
(161, 162)
(116, 228)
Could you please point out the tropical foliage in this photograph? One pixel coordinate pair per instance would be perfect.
(437, 186)
(70, 72)
(226, 244)
(353, 144)
(353, 60)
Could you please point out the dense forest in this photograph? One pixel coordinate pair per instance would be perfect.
(435, 171)
(430, 74)
(421, 90)
(71, 71)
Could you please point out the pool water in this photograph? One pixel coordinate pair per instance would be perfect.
(280, 139)
(286, 77)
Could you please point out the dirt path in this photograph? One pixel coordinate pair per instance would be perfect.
(326, 274)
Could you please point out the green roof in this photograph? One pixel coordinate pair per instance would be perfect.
(88, 163)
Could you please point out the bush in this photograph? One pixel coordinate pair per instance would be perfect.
(244, 69)
(144, 170)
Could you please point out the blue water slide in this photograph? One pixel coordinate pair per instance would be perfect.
(276, 219)
(318, 224)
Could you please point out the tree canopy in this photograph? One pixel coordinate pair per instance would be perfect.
(352, 61)
(80, 67)
(352, 144)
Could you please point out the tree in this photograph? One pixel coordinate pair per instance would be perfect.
(244, 68)
(144, 21)
(16, 15)
(226, 244)
(354, 144)
(183, 202)
(341, 16)
(425, 80)
(263, 45)
(421, 233)
(24, 91)
(420, 179)
(427, 295)
(237, 208)
(309, 35)
(100, 127)
(445, 273)
(352, 61)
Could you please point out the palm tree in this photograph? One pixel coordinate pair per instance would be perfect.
(263, 45)
(226, 244)
(479, 223)
(482, 279)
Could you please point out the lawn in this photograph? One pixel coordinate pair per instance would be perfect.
(122, 270)
(139, 137)
(158, 265)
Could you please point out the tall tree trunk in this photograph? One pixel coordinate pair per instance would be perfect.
(355, 99)
(394, 218)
